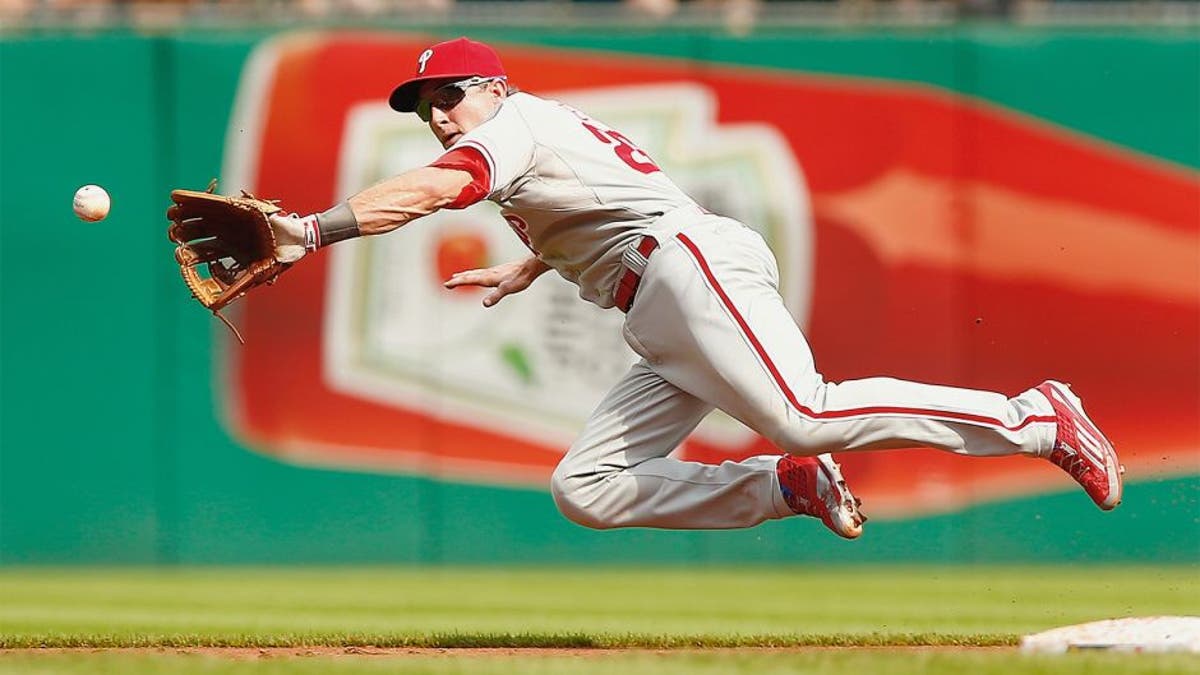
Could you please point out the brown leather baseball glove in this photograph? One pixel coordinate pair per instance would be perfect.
(225, 245)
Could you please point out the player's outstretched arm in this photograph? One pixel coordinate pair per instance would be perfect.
(387, 205)
(508, 278)
(381, 208)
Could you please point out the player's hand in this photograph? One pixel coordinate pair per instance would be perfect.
(506, 279)
(289, 237)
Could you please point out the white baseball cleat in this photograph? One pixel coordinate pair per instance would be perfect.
(1081, 450)
(813, 486)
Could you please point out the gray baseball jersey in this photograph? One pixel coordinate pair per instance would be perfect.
(576, 191)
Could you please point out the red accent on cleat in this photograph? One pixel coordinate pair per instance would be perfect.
(1081, 450)
(813, 486)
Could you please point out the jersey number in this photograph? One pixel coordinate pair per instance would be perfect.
(625, 149)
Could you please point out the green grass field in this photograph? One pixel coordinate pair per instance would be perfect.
(648, 620)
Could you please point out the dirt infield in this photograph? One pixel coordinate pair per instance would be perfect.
(260, 653)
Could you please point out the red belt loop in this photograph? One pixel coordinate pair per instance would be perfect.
(627, 285)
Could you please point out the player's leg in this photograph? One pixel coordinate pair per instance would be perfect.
(618, 473)
(720, 331)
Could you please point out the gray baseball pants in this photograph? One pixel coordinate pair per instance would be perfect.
(713, 332)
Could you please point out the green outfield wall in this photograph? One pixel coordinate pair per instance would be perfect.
(113, 448)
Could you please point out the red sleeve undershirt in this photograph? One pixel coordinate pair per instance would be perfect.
(470, 160)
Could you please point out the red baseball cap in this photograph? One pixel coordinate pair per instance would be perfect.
(455, 59)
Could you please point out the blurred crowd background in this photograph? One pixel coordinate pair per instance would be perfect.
(732, 15)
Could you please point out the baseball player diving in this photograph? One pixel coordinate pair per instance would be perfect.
(702, 310)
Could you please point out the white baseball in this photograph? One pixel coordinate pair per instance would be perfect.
(91, 203)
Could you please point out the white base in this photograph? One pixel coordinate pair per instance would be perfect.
(1140, 634)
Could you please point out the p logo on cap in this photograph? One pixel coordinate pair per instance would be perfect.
(425, 56)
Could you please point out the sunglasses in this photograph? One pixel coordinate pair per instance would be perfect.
(449, 95)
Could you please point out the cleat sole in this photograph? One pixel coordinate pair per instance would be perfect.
(846, 520)
(1114, 469)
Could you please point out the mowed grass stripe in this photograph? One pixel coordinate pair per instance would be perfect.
(768, 606)
(509, 641)
(759, 662)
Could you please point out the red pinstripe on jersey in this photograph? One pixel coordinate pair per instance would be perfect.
(834, 414)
